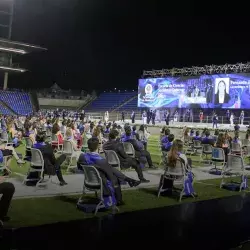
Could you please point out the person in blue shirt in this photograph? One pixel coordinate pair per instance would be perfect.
(197, 136)
(236, 127)
(165, 137)
(207, 139)
(167, 146)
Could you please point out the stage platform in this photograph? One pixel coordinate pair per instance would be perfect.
(196, 125)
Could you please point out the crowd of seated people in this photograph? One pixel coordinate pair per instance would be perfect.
(90, 140)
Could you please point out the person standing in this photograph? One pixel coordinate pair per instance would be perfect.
(176, 116)
(231, 119)
(123, 116)
(153, 117)
(133, 116)
(228, 116)
(148, 116)
(167, 117)
(242, 117)
(106, 116)
(144, 117)
(201, 116)
(215, 120)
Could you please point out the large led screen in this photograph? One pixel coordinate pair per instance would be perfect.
(229, 91)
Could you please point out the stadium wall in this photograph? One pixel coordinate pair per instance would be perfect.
(43, 102)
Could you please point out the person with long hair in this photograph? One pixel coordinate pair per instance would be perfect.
(176, 152)
(221, 96)
(222, 143)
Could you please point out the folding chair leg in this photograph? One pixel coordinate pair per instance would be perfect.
(159, 191)
(98, 206)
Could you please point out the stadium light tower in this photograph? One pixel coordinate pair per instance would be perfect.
(7, 14)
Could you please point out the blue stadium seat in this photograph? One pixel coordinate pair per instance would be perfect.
(109, 101)
(20, 102)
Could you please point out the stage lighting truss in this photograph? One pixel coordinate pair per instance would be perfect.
(195, 70)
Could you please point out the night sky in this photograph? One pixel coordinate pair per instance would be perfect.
(102, 44)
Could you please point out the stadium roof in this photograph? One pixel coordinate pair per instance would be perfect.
(14, 47)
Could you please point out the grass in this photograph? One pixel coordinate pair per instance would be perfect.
(39, 211)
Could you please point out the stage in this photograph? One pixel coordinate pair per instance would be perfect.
(195, 125)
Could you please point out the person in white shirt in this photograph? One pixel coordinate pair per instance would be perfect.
(231, 119)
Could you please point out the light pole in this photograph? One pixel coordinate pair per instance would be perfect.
(10, 14)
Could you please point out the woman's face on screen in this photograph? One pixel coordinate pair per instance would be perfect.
(221, 87)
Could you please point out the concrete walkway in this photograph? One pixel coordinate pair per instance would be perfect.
(75, 183)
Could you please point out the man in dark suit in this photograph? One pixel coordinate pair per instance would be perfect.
(7, 190)
(133, 116)
(125, 160)
(143, 155)
(52, 165)
(106, 171)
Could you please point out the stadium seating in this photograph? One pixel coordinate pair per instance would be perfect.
(20, 102)
(4, 110)
(131, 105)
(109, 101)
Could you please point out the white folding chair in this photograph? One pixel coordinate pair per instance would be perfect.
(190, 145)
(68, 150)
(55, 142)
(236, 149)
(129, 149)
(5, 138)
(245, 143)
(93, 182)
(112, 158)
(178, 175)
(197, 148)
(3, 165)
(235, 166)
(37, 165)
(207, 150)
(218, 156)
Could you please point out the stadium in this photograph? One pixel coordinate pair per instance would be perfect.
(89, 164)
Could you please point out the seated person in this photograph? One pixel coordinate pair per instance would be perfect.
(236, 138)
(143, 135)
(9, 150)
(222, 143)
(175, 152)
(134, 133)
(51, 164)
(7, 190)
(167, 146)
(140, 153)
(164, 139)
(191, 132)
(197, 136)
(216, 134)
(63, 128)
(207, 139)
(56, 131)
(69, 137)
(106, 171)
(236, 127)
(125, 160)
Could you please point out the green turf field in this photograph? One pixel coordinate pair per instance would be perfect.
(38, 211)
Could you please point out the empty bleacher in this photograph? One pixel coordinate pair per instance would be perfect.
(109, 101)
(19, 102)
(4, 110)
(131, 105)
